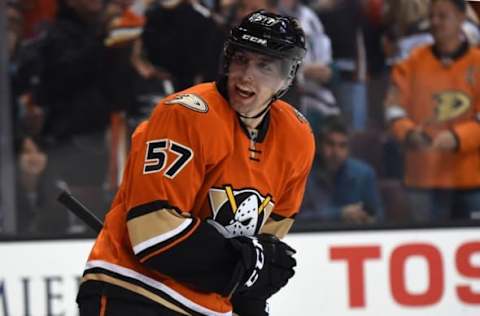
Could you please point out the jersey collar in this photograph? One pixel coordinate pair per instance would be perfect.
(457, 54)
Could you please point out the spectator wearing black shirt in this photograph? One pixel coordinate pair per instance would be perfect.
(77, 110)
(180, 38)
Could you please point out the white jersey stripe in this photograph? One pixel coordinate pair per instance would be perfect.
(161, 238)
(155, 284)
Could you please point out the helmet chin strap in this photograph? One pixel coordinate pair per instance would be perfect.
(258, 114)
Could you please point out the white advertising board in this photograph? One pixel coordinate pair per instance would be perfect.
(41, 278)
(406, 273)
(395, 273)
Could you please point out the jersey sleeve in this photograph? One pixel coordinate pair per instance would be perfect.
(172, 154)
(288, 205)
(167, 163)
(468, 134)
(398, 100)
(468, 131)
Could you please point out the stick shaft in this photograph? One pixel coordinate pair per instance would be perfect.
(80, 210)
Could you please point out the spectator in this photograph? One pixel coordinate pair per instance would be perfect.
(407, 26)
(344, 24)
(316, 100)
(179, 38)
(340, 188)
(135, 85)
(13, 37)
(77, 109)
(433, 109)
(31, 162)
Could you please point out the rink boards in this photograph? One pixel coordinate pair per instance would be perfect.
(427, 272)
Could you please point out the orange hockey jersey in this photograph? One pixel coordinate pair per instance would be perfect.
(439, 96)
(190, 162)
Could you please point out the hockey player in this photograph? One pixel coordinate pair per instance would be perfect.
(213, 179)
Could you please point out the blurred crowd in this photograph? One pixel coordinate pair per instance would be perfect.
(84, 73)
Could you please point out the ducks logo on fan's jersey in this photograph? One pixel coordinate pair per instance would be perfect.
(240, 212)
(450, 105)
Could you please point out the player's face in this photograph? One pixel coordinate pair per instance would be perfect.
(446, 20)
(334, 150)
(252, 81)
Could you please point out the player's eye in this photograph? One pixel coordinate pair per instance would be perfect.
(266, 66)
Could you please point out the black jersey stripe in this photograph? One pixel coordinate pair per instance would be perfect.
(150, 207)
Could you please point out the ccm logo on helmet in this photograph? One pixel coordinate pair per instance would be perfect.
(254, 39)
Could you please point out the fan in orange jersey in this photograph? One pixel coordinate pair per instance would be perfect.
(213, 179)
(434, 109)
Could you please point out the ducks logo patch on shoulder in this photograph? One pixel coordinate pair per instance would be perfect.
(191, 101)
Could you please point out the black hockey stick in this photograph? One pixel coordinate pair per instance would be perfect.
(80, 210)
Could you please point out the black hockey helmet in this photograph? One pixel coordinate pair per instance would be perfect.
(269, 34)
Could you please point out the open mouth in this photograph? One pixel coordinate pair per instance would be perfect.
(244, 92)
